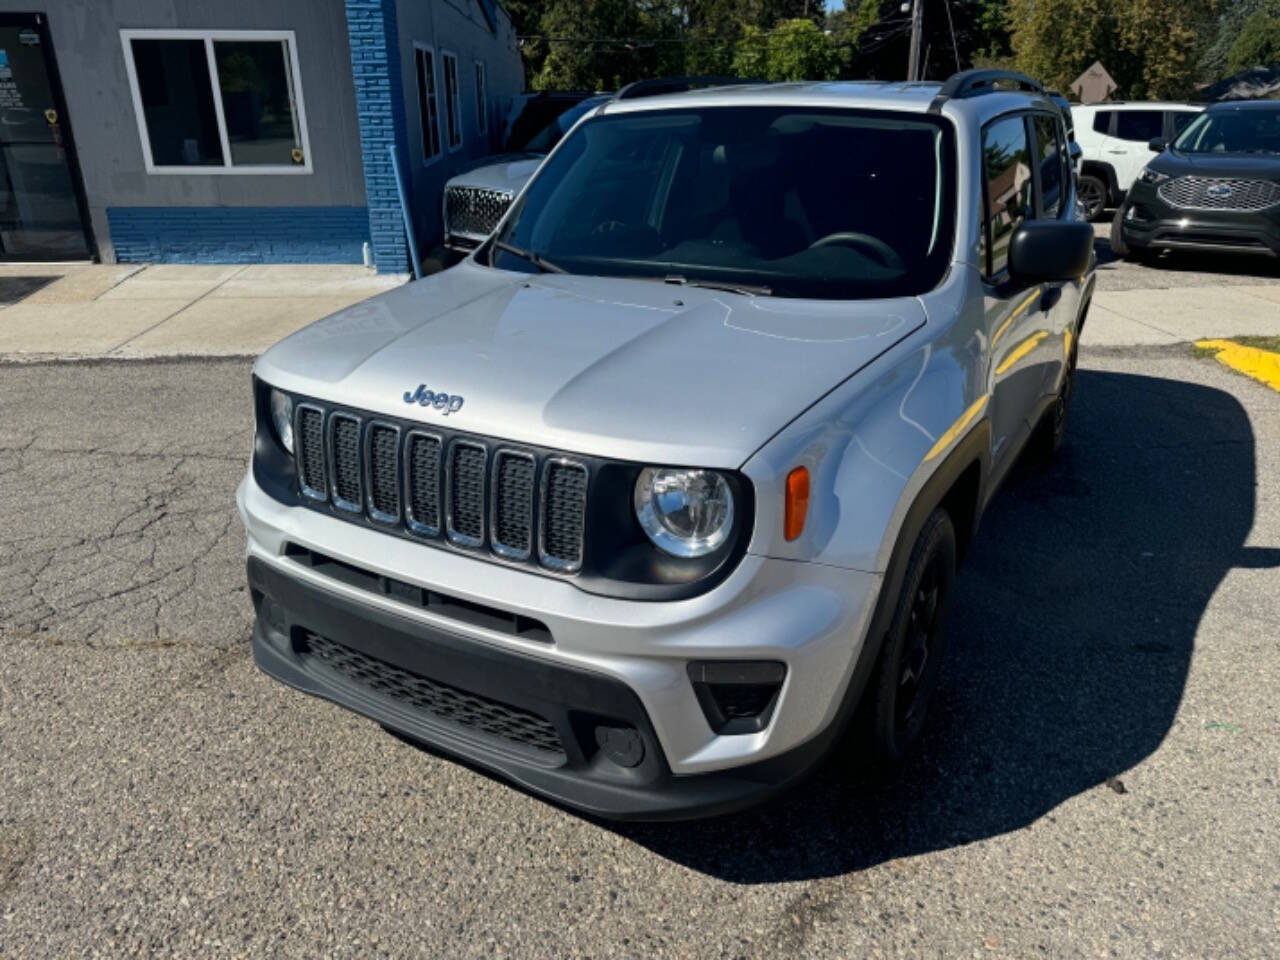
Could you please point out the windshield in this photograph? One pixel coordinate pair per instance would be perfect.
(794, 202)
(554, 132)
(535, 116)
(1232, 131)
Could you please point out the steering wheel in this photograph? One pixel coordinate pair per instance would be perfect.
(882, 251)
(607, 226)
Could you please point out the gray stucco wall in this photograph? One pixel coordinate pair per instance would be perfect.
(458, 27)
(86, 41)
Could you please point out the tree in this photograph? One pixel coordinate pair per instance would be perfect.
(1164, 36)
(1258, 44)
(792, 50)
(604, 44)
(1227, 30)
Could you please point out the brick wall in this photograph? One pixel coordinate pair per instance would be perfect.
(375, 67)
(238, 234)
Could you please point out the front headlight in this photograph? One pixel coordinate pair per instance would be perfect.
(687, 513)
(1152, 176)
(282, 418)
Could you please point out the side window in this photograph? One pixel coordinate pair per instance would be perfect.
(482, 100)
(1049, 156)
(1180, 120)
(1139, 126)
(428, 107)
(1102, 121)
(1006, 160)
(452, 100)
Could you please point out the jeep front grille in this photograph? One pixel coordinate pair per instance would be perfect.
(444, 488)
(473, 211)
(1218, 193)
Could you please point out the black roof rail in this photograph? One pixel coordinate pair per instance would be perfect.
(974, 83)
(656, 85)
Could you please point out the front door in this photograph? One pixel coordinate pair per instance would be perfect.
(41, 203)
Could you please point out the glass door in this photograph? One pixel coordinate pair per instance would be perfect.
(41, 205)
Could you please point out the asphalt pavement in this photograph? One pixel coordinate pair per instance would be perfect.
(1099, 777)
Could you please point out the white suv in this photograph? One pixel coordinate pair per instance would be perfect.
(1114, 140)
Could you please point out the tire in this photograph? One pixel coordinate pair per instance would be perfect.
(1118, 245)
(1093, 193)
(897, 698)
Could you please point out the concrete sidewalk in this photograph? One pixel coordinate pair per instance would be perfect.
(170, 310)
(1182, 314)
(132, 310)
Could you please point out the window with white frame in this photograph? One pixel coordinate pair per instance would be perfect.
(452, 100)
(214, 101)
(482, 100)
(428, 105)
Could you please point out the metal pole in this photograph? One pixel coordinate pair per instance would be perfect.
(917, 34)
(404, 211)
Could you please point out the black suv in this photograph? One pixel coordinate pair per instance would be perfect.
(1216, 187)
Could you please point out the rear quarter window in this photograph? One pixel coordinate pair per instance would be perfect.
(1102, 121)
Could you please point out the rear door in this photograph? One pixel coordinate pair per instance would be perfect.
(1133, 130)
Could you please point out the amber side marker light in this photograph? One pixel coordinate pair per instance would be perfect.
(797, 502)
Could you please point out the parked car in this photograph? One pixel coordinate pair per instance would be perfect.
(646, 500)
(475, 200)
(1216, 187)
(1113, 139)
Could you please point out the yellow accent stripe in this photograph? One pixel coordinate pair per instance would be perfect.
(1017, 312)
(957, 428)
(1262, 365)
(1021, 350)
(1066, 344)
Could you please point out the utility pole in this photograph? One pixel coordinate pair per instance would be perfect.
(917, 35)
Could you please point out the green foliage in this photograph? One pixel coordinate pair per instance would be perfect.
(792, 50)
(1150, 47)
(1258, 43)
(1227, 30)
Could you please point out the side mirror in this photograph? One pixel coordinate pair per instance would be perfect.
(1075, 153)
(1050, 251)
(1158, 144)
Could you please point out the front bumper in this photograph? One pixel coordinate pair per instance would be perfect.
(607, 664)
(1149, 223)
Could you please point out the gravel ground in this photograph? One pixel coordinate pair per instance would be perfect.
(1099, 777)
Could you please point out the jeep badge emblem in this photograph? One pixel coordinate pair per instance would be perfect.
(430, 398)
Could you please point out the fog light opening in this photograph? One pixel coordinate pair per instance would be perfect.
(737, 696)
(622, 745)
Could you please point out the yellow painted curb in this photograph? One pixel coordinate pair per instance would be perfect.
(1262, 365)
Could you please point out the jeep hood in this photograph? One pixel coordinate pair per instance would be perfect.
(630, 369)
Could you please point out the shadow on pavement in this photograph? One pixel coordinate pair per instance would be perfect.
(1071, 638)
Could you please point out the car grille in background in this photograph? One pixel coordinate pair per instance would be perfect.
(473, 211)
(441, 700)
(519, 504)
(1213, 193)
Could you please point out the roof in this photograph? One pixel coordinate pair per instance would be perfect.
(847, 94)
(1227, 105)
(1137, 105)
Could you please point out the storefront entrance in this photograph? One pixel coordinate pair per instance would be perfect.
(42, 209)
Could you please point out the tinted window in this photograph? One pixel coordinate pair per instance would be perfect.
(1180, 120)
(748, 195)
(257, 101)
(1102, 121)
(1049, 157)
(1232, 131)
(1007, 194)
(1139, 125)
(177, 102)
(533, 118)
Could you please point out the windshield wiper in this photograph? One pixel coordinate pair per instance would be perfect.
(748, 289)
(537, 259)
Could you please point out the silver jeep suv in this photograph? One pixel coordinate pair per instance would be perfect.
(647, 499)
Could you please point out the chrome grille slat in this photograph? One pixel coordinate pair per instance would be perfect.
(520, 505)
(344, 462)
(511, 504)
(465, 475)
(474, 211)
(1201, 193)
(564, 504)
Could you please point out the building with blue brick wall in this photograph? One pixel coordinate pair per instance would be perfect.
(244, 131)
